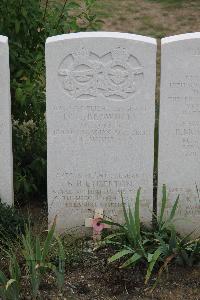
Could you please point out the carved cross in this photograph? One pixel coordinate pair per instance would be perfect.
(96, 224)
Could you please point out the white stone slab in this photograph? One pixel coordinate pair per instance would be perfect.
(100, 124)
(6, 159)
(179, 135)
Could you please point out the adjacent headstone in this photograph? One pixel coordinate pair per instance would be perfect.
(179, 134)
(6, 160)
(100, 124)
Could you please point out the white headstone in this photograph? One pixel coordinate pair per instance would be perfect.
(179, 134)
(6, 160)
(100, 124)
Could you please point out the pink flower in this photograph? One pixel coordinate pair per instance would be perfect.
(97, 225)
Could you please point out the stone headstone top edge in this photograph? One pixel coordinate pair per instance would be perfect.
(3, 39)
(102, 34)
(180, 37)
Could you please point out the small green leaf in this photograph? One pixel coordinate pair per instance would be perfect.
(114, 235)
(24, 12)
(137, 213)
(38, 255)
(172, 241)
(132, 261)
(131, 228)
(152, 263)
(174, 208)
(112, 223)
(73, 5)
(9, 283)
(48, 240)
(163, 205)
(3, 278)
(124, 210)
(119, 254)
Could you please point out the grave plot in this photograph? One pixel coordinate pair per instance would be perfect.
(100, 124)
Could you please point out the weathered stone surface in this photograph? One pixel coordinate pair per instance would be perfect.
(6, 160)
(100, 123)
(179, 135)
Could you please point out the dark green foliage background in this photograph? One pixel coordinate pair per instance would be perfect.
(28, 23)
(12, 223)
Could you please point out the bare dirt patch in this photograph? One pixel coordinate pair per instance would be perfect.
(94, 279)
(150, 17)
(90, 277)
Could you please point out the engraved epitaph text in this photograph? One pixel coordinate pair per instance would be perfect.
(100, 120)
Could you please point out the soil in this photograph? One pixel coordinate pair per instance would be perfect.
(94, 279)
(150, 17)
(90, 277)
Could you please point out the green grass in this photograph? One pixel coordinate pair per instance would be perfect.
(173, 3)
(151, 28)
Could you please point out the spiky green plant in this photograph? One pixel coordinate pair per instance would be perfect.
(36, 254)
(10, 287)
(164, 223)
(155, 247)
(60, 269)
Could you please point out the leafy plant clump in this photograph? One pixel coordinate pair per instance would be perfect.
(157, 247)
(37, 258)
(27, 25)
(12, 223)
(10, 285)
(32, 260)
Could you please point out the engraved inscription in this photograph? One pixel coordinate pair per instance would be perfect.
(100, 125)
(115, 74)
(179, 157)
(184, 98)
(87, 190)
